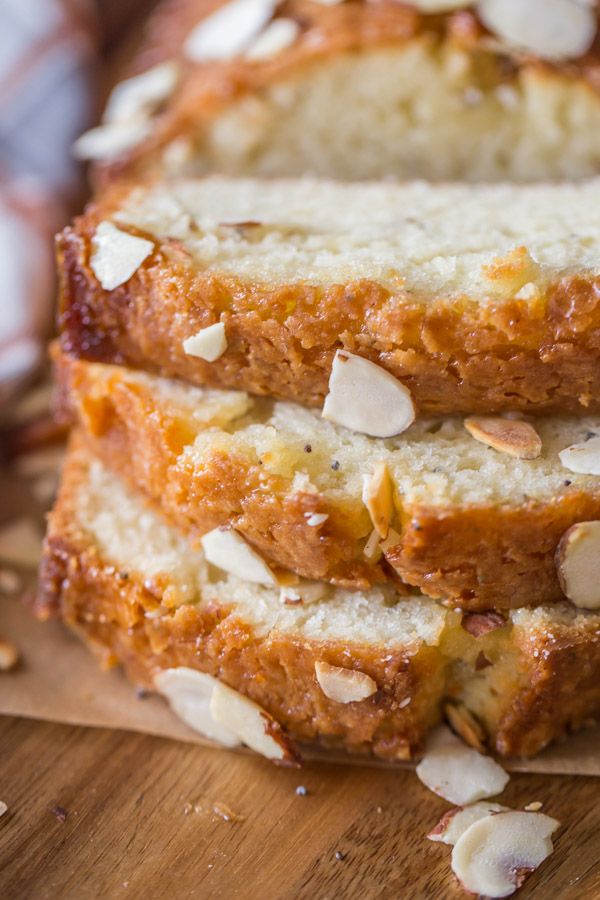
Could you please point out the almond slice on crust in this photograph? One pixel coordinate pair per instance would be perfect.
(459, 774)
(365, 398)
(578, 564)
(188, 692)
(494, 855)
(582, 458)
(107, 142)
(276, 37)
(378, 497)
(344, 685)
(480, 623)
(455, 822)
(209, 343)
(229, 30)
(227, 550)
(117, 255)
(142, 94)
(254, 727)
(550, 29)
(517, 438)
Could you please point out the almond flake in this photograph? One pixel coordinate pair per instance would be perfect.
(10, 582)
(143, 94)
(117, 255)
(275, 38)
(229, 30)
(459, 774)
(462, 721)
(344, 685)
(455, 822)
(227, 550)
(188, 692)
(9, 656)
(209, 343)
(578, 564)
(583, 458)
(108, 142)
(21, 543)
(518, 439)
(533, 807)
(378, 498)
(551, 29)
(365, 398)
(254, 727)
(493, 856)
(316, 519)
(372, 548)
(440, 6)
(3, 808)
(479, 623)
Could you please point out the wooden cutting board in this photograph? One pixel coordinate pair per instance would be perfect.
(147, 818)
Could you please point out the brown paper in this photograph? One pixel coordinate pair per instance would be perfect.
(59, 680)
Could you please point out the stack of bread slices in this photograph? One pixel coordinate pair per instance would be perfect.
(335, 469)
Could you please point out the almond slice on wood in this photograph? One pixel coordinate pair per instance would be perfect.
(518, 439)
(9, 656)
(255, 727)
(583, 458)
(461, 775)
(229, 30)
(227, 550)
(578, 564)
(455, 822)
(188, 692)
(3, 807)
(466, 726)
(365, 398)
(494, 855)
(551, 29)
(344, 685)
(117, 255)
(378, 498)
(209, 343)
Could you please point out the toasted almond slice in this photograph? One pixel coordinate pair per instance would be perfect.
(518, 439)
(117, 255)
(461, 775)
(108, 142)
(365, 398)
(229, 30)
(372, 548)
(578, 564)
(344, 685)
(188, 692)
(465, 725)
(276, 37)
(255, 727)
(378, 497)
(227, 550)
(143, 94)
(583, 458)
(3, 808)
(9, 656)
(495, 854)
(21, 543)
(480, 623)
(551, 29)
(208, 343)
(455, 822)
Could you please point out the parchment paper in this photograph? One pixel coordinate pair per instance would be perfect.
(59, 680)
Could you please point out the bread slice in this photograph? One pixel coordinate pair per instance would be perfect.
(470, 524)
(501, 313)
(359, 90)
(133, 588)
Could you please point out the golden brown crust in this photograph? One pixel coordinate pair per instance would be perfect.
(326, 30)
(537, 356)
(475, 557)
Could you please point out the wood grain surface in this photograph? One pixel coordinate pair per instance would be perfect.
(141, 823)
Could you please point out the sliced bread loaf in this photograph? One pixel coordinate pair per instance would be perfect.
(464, 521)
(478, 298)
(360, 90)
(134, 589)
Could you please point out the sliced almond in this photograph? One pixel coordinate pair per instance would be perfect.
(372, 548)
(188, 692)
(440, 6)
(208, 343)
(3, 808)
(255, 727)
(117, 255)
(276, 37)
(21, 543)
(108, 142)
(466, 726)
(344, 685)
(143, 94)
(365, 398)
(229, 30)
(518, 439)
(495, 854)
(551, 29)
(455, 822)
(480, 623)
(10, 582)
(9, 656)
(583, 458)
(461, 775)
(227, 550)
(378, 497)
(316, 519)
(578, 564)
(533, 807)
